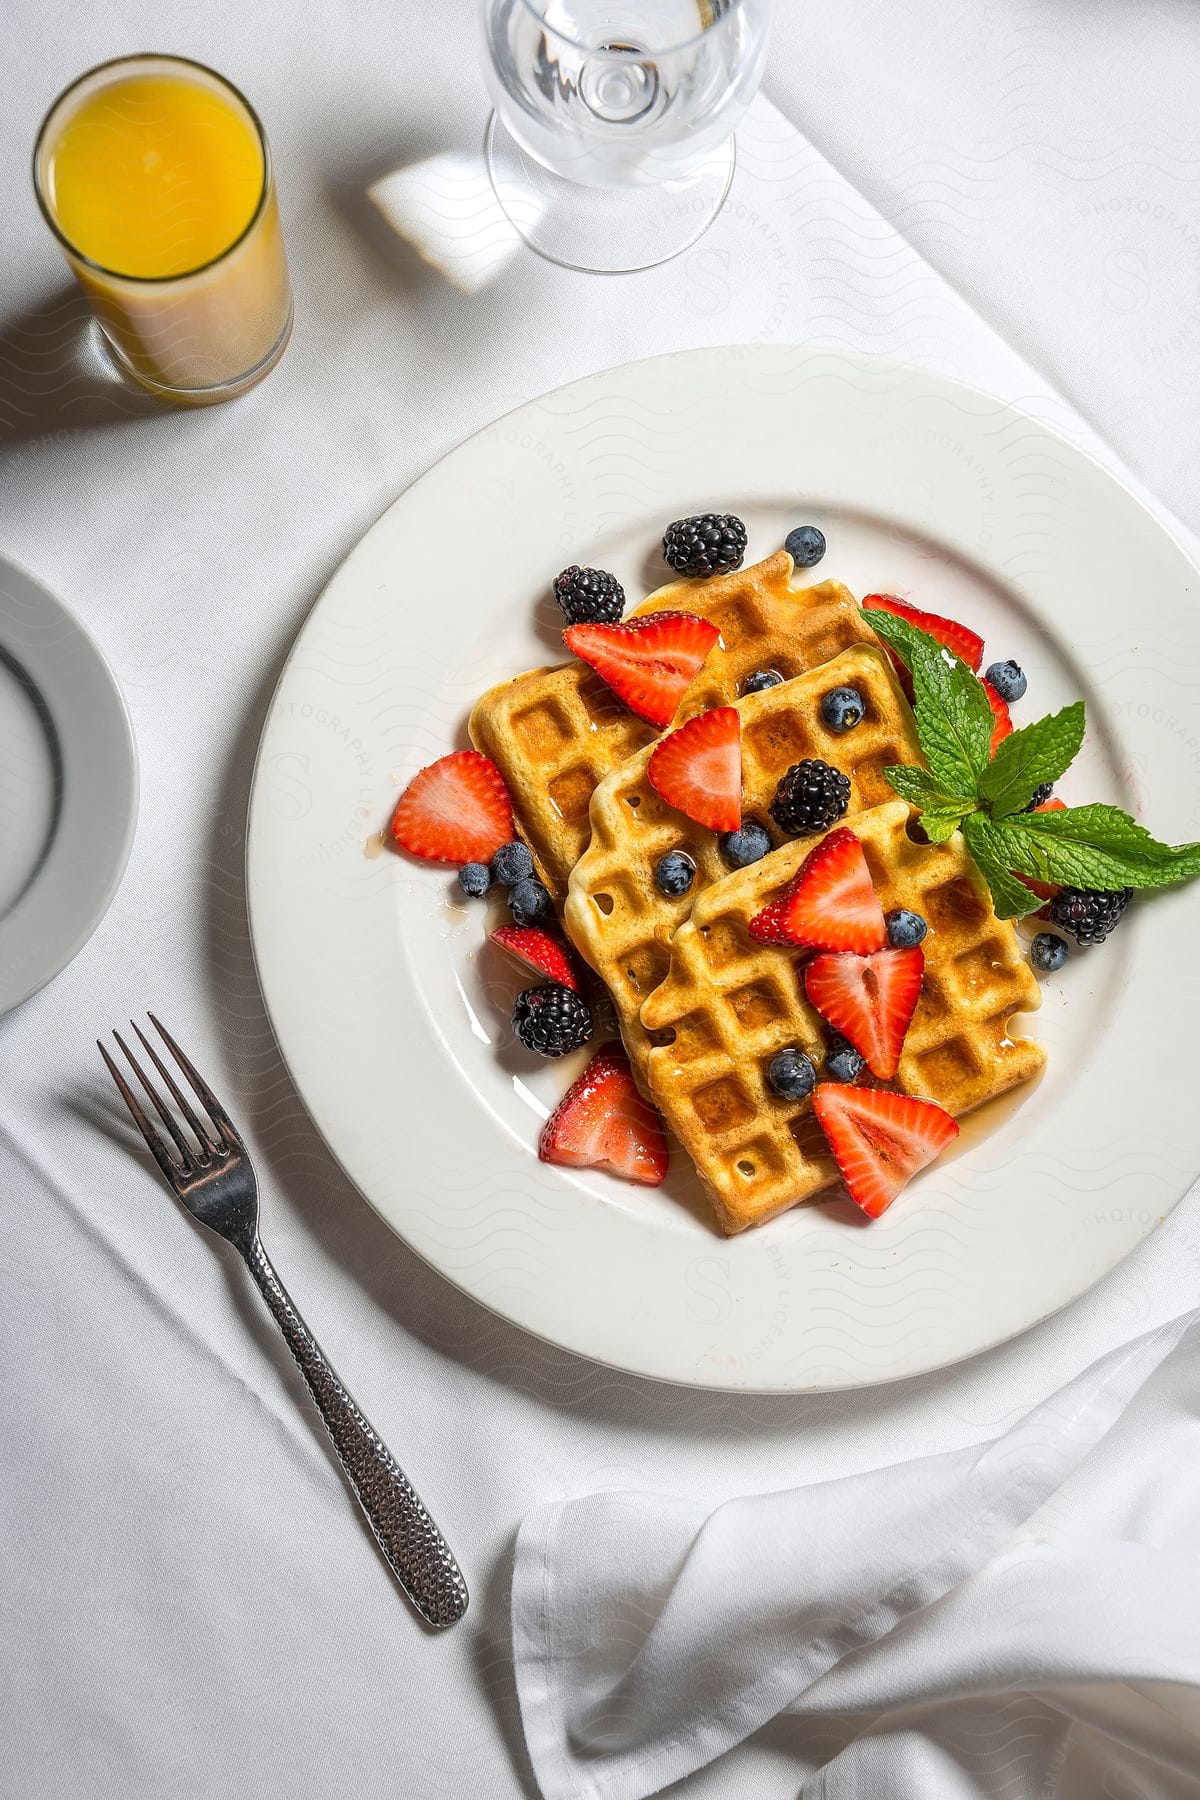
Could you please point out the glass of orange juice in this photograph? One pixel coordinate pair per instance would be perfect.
(155, 176)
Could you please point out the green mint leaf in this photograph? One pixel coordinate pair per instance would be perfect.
(1091, 847)
(938, 826)
(1010, 897)
(1036, 754)
(954, 720)
(922, 789)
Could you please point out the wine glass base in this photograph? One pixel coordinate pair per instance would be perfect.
(606, 231)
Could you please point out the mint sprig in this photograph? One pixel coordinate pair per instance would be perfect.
(965, 788)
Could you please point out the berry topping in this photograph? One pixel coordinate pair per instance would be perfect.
(904, 928)
(456, 811)
(708, 544)
(529, 901)
(1040, 797)
(649, 663)
(748, 844)
(674, 874)
(761, 680)
(544, 954)
(960, 638)
(791, 1074)
(589, 596)
(842, 1060)
(698, 769)
(1008, 679)
(1047, 952)
(1089, 914)
(552, 1020)
(829, 904)
(475, 879)
(512, 863)
(1003, 726)
(603, 1122)
(869, 999)
(843, 708)
(880, 1140)
(812, 796)
(805, 545)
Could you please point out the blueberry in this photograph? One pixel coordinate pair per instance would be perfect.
(791, 1074)
(747, 845)
(1008, 679)
(904, 928)
(761, 680)
(843, 708)
(475, 879)
(842, 1060)
(512, 863)
(529, 902)
(674, 874)
(1047, 952)
(806, 545)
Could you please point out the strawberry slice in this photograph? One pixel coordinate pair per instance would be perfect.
(829, 904)
(455, 811)
(869, 999)
(698, 769)
(960, 638)
(538, 950)
(1044, 890)
(648, 663)
(1003, 726)
(880, 1140)
(603, 1122)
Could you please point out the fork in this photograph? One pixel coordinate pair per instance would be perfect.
(215, 1182)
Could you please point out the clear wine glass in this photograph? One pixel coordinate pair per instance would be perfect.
(611, 145)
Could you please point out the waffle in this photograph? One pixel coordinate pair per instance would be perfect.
(614, 913)
(726, 1005)
(555, 733)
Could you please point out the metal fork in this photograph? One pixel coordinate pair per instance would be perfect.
(215, 1182)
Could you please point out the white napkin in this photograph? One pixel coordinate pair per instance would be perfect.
(1021, 1617)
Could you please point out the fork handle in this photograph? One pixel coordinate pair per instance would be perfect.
(417, 1553)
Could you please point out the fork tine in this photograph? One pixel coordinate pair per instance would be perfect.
(181, 1100)
(154, 1143)
(212, 1105)
(152, 1094)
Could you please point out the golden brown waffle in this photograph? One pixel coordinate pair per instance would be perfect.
(615, 914)
(728, 1004)
(555, 733)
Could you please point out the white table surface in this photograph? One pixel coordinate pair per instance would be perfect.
(1009, 193)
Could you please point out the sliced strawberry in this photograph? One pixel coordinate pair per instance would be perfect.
(648, 663)
(1003, 726)
(869, 999)
(698, 769)
(829, 904)
(538, 950)
(602, 1121)
(880, 1140)
(964, 642)
(456, 811)
(1044, 890)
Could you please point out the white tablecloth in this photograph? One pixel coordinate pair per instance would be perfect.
(1005, 192)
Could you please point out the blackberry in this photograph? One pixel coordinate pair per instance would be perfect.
(1008, 679)
(761, 680)
(512, 863)
(812, 796)
(805, 545)
(1089, 914)
(791, 1074)
(708, 544)
(674, 874)
(475, 879)
(529, 902)
(589, 596)
(842, 1060)
(748, 844)
(1047, 952)
(551, 1019)
(1040, 796)
(843, 708)
(904, 928)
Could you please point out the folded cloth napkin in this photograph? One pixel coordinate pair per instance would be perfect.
(1021, 1617)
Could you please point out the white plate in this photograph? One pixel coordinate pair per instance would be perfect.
(390, 1008)
(68, 786)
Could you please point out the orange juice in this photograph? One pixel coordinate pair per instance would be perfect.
(155, 175)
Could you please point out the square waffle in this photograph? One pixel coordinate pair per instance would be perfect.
(614, 913)
(726, 1005)
(555, 733)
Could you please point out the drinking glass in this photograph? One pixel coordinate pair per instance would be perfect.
(611, 145)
